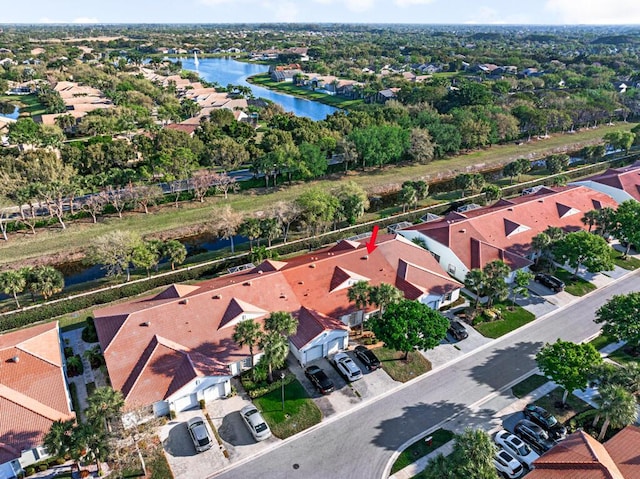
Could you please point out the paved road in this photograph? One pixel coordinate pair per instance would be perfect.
(359, 444)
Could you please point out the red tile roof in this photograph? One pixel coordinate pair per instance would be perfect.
(626, 179)
(505, 229)
(311, 324)
(197, 321)
(580, 456)
(32, 388)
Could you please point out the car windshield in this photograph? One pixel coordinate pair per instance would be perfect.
(261, 427)
(523, 449)
(550, 421)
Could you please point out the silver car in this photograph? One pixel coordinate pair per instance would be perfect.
(256, 424)
(199, 433)
(347, 367)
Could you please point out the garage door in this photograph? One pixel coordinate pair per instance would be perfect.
(334, 346)
(186, 402)
(161, 408)
(313, 353)
(214, 392)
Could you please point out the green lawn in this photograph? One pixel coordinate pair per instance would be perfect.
(421, 448)
(28, 104)
(601, 341)
(575, 405)
(299, 413)
(530, 384)
(399, 369)
(574, 285)
(629, 262)
(510, 320)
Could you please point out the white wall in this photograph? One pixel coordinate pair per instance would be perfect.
(438, 301)
(198, 385)
(322, 339)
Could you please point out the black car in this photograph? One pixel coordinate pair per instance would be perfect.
(534, 435)
(551, 282)
(367, 357)
(319, 379)
(457, 330)
(546, 420)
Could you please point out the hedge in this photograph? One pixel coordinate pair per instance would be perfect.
(263, 387)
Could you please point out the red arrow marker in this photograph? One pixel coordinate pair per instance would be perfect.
(371, 244)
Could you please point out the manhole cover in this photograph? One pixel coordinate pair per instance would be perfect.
(296, 466)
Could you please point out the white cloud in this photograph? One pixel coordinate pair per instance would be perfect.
(410, 3)
(596, 12)
(286, 12)
(85, 20)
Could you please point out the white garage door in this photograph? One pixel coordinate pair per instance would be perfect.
(161, 408)
(313, 353)
(186, 402)
(334, 346)
(214, 392)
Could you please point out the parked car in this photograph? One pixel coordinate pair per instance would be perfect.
(319, 379)
(368, 358)
(546, 420)
(199, 433)
(347, 367)
(516, 447)
(457, 330)
(256, 424)
(551, 282)
(534, 435)
(507, 465)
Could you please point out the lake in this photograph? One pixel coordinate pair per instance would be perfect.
(226, 71)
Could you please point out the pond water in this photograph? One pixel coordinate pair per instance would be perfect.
(225, 71)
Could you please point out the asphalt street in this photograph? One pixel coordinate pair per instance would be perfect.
(360, 443)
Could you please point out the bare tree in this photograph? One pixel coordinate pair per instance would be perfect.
(145, 196)
(225, 184)
(200, 183)
(94, 205)
(286, 212)
(226, 223)
(118, 198)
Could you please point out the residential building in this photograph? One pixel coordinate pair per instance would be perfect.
(175, 348)
(580, 456)
(620, 183)
(504, 230)
(33, 394)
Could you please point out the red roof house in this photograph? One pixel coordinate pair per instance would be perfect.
(620, 183)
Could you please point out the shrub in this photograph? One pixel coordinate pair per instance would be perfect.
(260, 388)
(202, 404)
(29, 471)
(42, 467)
(89, 333)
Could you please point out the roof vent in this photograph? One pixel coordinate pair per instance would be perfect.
(15, 359)
(260, 272)
(184, 301)
(283, 296)
(300, 282)
(247, 283)
(312, 265)
(509, 209)
(365, 257)
(540, 201)
(146, 323)
(463, 230)
(216, 296)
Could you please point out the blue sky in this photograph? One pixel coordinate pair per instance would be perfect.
(544, 12)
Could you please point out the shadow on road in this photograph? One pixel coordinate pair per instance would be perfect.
(506, 364)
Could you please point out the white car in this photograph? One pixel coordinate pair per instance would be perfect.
(508, 465)
(347, 367)
(199, 433)
(256, 424)
(516, 447)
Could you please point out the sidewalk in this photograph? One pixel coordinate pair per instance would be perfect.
(495, 422)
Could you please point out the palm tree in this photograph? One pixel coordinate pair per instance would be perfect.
(104, 404)
(247, 333)
(618, 406)
(91, 443)
(94, 356)
(275, 348)
(46, 280)
(472, 455)
(383, 295)
(59, 439)
(13, 282)
(541, 244)
(282, 323)
(474, 281)
(359, 294)
(439, 468)
(175, 251)
(590, 219)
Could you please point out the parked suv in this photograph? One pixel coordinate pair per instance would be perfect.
(507, 465)
(319, 379)
(551, 282)
(347, 367)
(545, 420)
(368, 358)
(534, 435)
(516, 447)
(457, 330)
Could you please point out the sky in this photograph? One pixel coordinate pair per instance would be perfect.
(536, 12)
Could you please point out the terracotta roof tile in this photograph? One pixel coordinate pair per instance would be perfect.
(624, 449)
(176, 291)
(311, 324)
(626, 179)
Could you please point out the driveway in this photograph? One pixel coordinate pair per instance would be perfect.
(450, 348)
(181, 454)
(346, 395)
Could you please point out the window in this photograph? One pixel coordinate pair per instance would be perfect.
(447, 297)
(452, 269)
